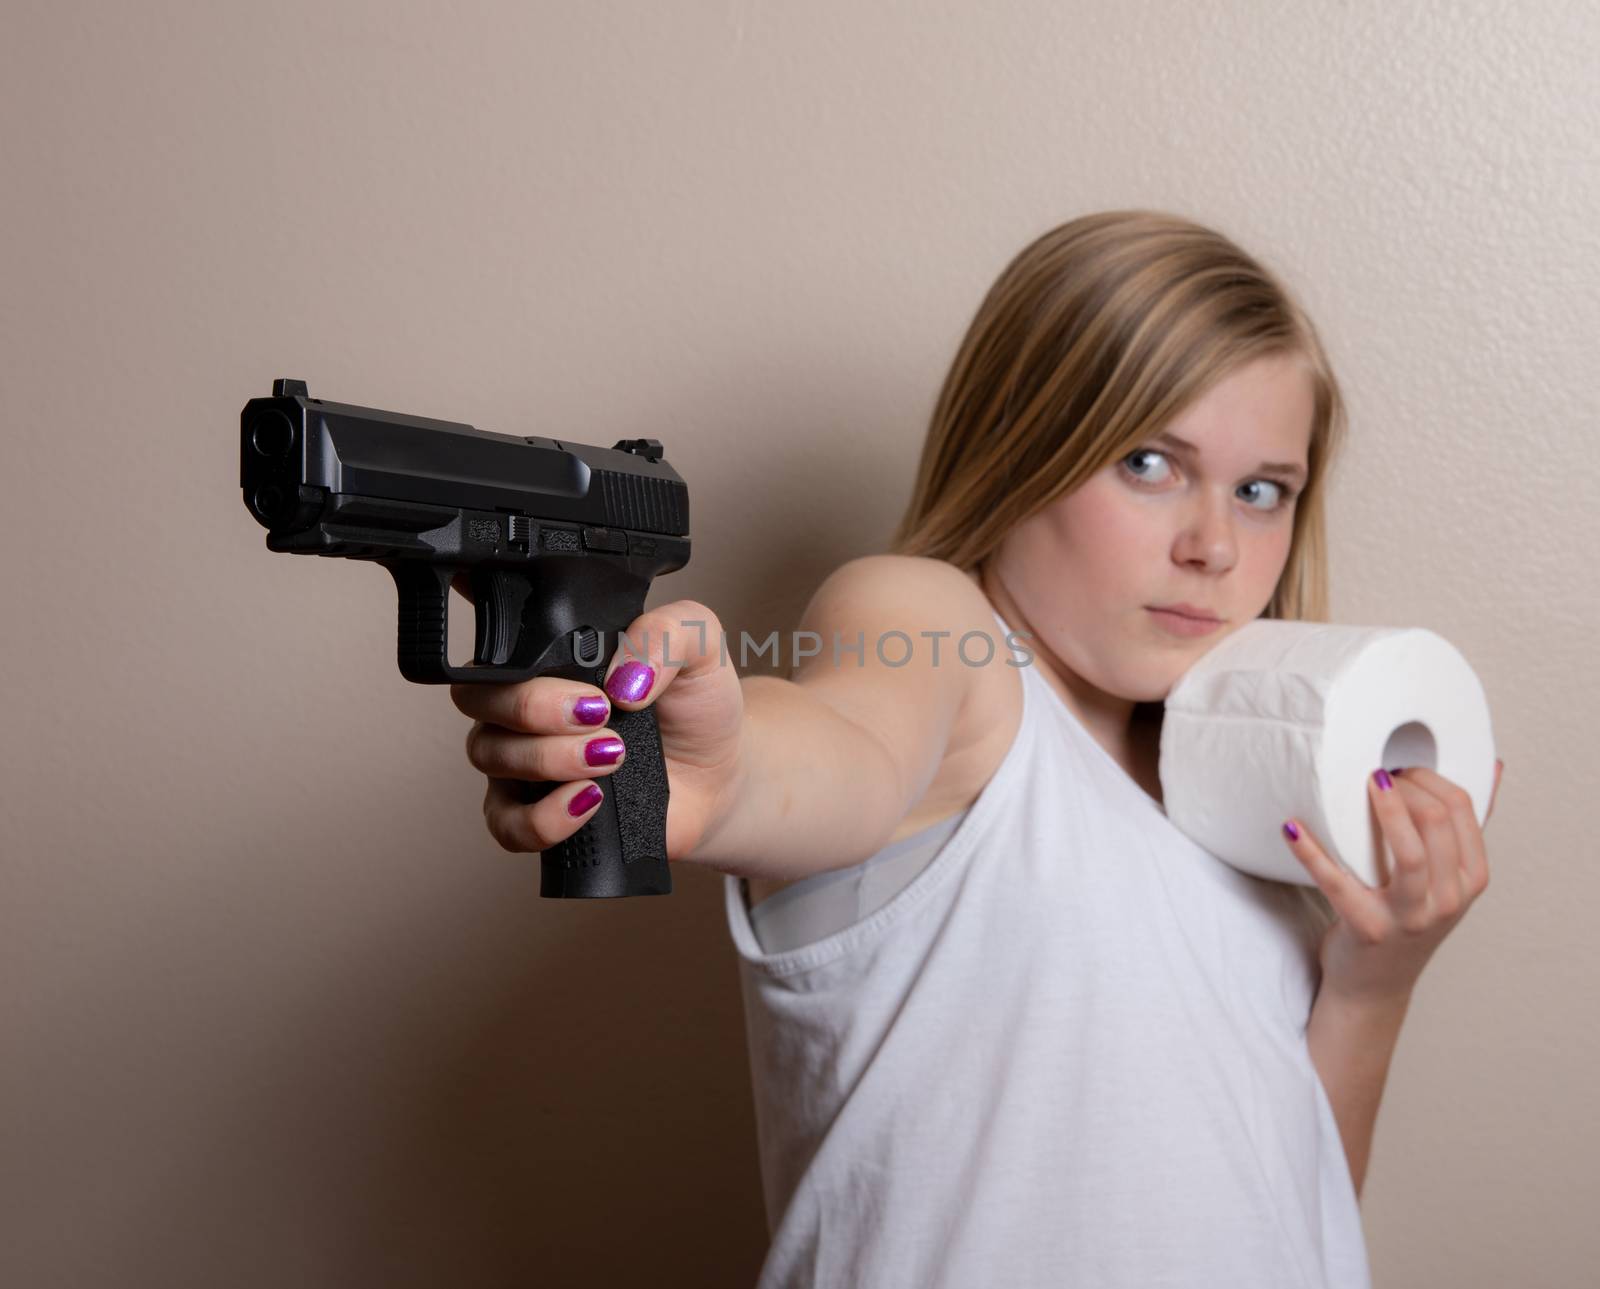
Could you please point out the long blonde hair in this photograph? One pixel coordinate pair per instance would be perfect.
(1092, 339)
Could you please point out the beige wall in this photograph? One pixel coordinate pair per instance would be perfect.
(276, 1009)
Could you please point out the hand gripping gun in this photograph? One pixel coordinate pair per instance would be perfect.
(558, 542)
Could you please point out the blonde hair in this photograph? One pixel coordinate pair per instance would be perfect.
(1092, 339)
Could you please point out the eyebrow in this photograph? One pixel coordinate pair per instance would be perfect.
(1289, 468)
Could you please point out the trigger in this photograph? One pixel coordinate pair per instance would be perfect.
(498, 611)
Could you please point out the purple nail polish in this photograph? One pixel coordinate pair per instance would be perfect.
(630, 682)
(602, 751)
(1382, 779)
(584, 801)
(590, 711)
(1291, 831)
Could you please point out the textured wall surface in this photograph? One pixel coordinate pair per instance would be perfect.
(276, 1009)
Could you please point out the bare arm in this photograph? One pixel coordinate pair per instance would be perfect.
(831, 761)
(1351, 1046)
(812, 785)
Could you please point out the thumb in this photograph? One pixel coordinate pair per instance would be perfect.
(684, 636)
(1499, 768)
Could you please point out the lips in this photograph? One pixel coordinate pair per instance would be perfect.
(1179, 624)
(1187, 611)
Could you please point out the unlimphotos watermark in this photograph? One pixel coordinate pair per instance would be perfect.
(891, 648)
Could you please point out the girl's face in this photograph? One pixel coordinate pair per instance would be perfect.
(1165, 525)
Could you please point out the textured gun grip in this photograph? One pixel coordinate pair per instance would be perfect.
(622, 850)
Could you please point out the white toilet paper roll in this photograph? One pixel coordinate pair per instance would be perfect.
(1287, 718)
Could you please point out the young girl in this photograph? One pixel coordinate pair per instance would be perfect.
(1007, 1025)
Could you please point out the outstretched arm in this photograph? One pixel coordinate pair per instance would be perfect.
(833, 759)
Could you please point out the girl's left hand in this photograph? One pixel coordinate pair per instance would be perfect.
(1385, 934)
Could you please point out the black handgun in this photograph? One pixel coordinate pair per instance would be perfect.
(558, 540)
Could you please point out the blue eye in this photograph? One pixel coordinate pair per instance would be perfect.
(1285, 494)
(1141, 452)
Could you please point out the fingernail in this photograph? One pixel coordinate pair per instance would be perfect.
(590, 711)
(1383, 780)
(1396, 771)
(584, 801)
(630, 682)
(1291, 831)
(602, 751)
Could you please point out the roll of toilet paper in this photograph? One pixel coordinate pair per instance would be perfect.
(1289, 719)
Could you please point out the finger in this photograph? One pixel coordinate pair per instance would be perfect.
(681, 637)
(501, 754)
(1409, 876)
(1471, 861)
(1348, 894)
(543, 705)
(1439, 876)
(521, 828)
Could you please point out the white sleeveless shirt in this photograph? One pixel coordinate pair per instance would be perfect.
(1069, 1052)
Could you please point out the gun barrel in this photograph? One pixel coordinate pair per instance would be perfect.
(297, 451)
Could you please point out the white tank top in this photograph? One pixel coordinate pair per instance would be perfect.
(1070, 1051)
(823, 903)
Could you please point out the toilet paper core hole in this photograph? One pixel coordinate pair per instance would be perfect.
(1410, 744)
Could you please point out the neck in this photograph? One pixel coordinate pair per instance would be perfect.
(1116, 723)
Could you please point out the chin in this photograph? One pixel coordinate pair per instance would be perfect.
(1160, 682)
(1149, 690)
(1177, 673)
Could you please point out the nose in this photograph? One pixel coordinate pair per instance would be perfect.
(1206, 539)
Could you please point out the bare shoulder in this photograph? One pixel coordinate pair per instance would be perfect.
(991, 714)
(931, 677)
(939, 588)
(913, 612)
